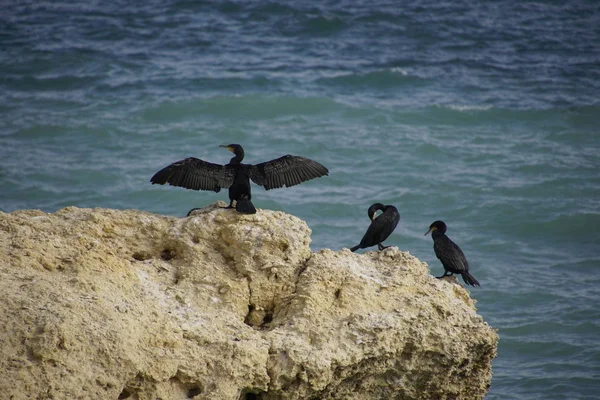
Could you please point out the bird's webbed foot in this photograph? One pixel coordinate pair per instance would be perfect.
(230, 205)
(446, 273)
(382, 247)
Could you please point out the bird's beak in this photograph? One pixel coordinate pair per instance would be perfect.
(430, 230)
(226, 147)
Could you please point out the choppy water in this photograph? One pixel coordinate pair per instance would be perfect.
(484, 114)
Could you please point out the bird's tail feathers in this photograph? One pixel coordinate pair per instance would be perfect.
(353, 249)
(245, 206)
(469, 279)
(189, 214)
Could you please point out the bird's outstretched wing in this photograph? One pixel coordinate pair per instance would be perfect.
(193, 173)
(285, 171)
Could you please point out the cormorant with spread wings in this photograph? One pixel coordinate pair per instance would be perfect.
(193, 173)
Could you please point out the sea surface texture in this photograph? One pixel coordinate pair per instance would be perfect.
(484, 114)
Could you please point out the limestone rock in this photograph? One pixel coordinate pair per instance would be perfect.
(107, 304)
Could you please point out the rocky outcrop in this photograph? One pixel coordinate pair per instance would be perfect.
(109, 304)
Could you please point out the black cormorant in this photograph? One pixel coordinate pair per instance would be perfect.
(193, 173)
(381, 227)
(448, 252)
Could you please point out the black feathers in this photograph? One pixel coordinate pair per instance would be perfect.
(381, 227)
(196, 174)
(285, 171)
(245, 206)
(450, 255)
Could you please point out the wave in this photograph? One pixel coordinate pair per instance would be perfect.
(391, 78)
(536, 331)
(59, 83)
(299, 19)
(247, 106)
(322, 25)
(564, 225)
(465, 107)
(469, 114)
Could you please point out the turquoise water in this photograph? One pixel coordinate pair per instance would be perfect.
(485, 115)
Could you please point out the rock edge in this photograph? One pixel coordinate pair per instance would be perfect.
(101, 303)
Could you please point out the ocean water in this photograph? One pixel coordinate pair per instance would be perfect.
(483, 114)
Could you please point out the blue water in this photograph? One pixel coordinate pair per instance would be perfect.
(483, 114)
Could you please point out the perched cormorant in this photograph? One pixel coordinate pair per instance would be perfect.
(448, 252)
(193, 173)
(381, 227)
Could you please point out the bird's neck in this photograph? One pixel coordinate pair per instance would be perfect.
(239, 156)
(374, 208)
(437, 234)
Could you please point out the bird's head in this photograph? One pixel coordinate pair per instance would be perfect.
(438, 226)
(373, 209)
(235, 149)
(231, 147)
